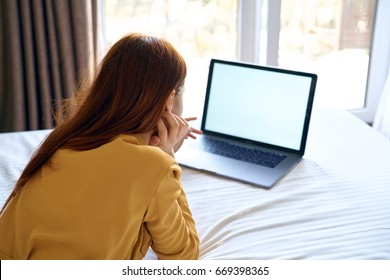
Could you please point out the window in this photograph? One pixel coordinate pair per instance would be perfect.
(333, 38)
(199, 29)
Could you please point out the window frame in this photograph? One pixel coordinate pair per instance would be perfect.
(379, 62)
(249, 26)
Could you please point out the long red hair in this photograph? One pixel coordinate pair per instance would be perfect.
(127, 96)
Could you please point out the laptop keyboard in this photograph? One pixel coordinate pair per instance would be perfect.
(222, 148)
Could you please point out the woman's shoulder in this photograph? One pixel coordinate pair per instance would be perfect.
(131, 147)
(123, 152)
(123, 157)
(131, 152)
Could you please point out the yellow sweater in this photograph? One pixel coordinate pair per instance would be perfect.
(112, 202)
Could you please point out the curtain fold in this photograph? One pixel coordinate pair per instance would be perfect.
(47, 47)
(382, 116)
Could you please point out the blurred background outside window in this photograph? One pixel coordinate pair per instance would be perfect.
(331, 38)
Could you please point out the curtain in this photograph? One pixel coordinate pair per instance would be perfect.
(47, 47)
(382, 116)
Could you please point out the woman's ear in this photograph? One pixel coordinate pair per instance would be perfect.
(169, 103)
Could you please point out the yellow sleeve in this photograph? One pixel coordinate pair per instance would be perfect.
(169, 220)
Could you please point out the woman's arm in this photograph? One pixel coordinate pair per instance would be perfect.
(169, 220)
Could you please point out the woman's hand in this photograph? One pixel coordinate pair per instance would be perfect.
(171, 132)
(192, 134)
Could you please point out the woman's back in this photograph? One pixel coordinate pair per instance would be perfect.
(117, 195)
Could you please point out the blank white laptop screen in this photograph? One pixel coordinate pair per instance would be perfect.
(263, 106)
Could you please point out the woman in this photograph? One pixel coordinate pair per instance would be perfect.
(104, 184)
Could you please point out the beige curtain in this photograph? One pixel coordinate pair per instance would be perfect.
(45, 47)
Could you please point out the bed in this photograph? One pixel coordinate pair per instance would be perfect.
(335, 204)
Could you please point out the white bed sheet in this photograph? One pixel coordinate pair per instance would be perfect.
(335, 204)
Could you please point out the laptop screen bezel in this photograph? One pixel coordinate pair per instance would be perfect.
(309, 107)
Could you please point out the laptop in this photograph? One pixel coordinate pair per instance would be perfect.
(255, 123)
